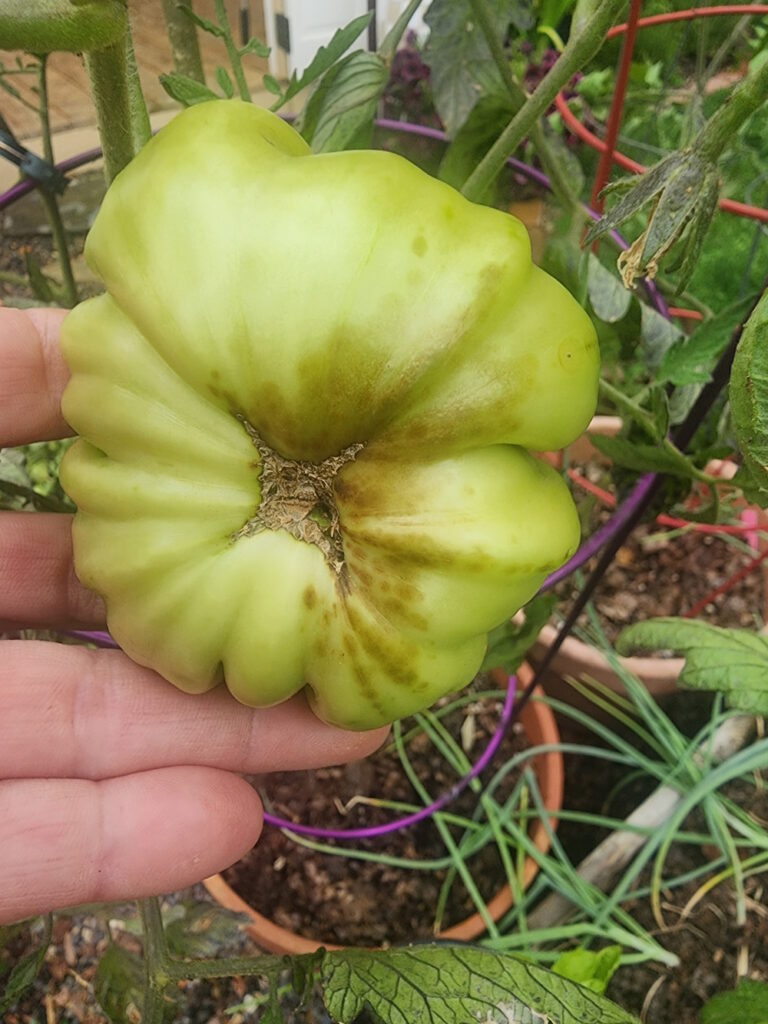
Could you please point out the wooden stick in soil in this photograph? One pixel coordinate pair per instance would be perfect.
(607, 859)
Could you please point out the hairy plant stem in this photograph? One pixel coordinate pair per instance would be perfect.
(161, 970)
(115, 99)
(561, 186)
(182, 35)
(50, 202)
(580, 48)
(719, 131)
(232, 52)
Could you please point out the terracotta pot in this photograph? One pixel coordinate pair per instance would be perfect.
(540, 728)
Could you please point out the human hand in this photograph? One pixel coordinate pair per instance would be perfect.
(115, 784)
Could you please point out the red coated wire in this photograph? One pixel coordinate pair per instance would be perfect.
(724, 587)
(690, 14)
(663, 520)
(613, 123)
(685, 314)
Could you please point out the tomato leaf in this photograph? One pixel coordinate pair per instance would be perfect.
(339, 114)
(610, 299)
(731, 661)
(643, 458)
(593, 970)
(658, 334)
(474, 138)
(225, 82)
(325, 58)
(747, 1004)
(25, 971)
(509, 643)
(186, 90)
(443, 984)
(461, 66)
(748, 392)
(691, 361)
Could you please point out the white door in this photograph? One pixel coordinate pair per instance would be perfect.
(305, 25)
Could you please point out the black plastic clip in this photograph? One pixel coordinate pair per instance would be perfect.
(46, 175)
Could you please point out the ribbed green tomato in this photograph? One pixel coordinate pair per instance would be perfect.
(304, 403)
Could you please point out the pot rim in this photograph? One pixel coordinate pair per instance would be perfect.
(540, 727)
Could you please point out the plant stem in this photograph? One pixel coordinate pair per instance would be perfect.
(108, 72)
(49, 199)
(232, 51)
(719, 131)
(140, 126)
(182, 35)
(156, 978)
(561, 186)
(579, 50)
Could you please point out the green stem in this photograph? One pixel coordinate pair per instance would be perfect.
(156, 977)
(141, 130)
(560, 183)
(49, 199)
(580, 48)
(182, 35)
(108, 72)
(232, 52)
(719, 131)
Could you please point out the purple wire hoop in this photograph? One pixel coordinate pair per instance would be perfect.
(585, 552)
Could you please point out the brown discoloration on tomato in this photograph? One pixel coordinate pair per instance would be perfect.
(309, 597)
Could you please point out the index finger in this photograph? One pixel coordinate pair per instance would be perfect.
(32, 376)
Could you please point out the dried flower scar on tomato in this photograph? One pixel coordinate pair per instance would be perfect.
(304, 405)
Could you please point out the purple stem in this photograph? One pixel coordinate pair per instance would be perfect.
(425, 812)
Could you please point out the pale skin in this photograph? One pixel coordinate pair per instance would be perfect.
(113, 784)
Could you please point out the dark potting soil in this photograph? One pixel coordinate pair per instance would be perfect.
(658, 574)
(345, 901)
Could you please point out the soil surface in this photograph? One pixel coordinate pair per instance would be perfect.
(338, 899)
(663, 572)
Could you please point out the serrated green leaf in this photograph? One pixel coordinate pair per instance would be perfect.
(255, 46)
(326, 57)
(272, 85)
(644, 188)
(25, 971)
(644, 458)
(42, 286)
(750, 487)
(119, 984)
(593, 970)
(202, 929)
(657, 335)
(731, 661)
(450, 984)
(461, 67)
(748, 393)
(747, 1004)
(207, 26)
(186, 90)
(681, 193)
(341, 109)
(509, 643)
(225, 82)
(610, 299)
(691, 360)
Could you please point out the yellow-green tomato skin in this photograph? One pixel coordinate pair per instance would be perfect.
(315, 302)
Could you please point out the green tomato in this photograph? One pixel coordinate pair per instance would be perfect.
(304, 403)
